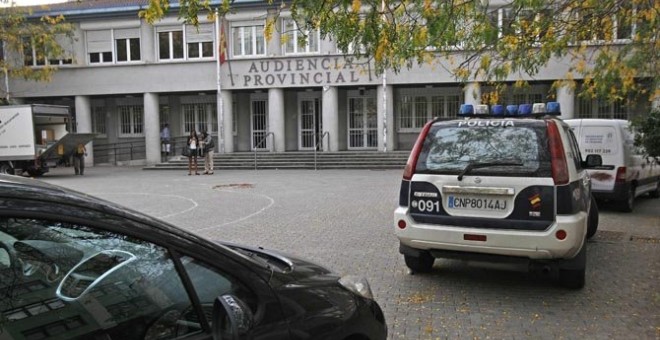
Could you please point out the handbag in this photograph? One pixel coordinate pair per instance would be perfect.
(185, 151)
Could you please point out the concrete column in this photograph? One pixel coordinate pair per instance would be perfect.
(148, 44)
(566, 100)
(151, 128)
(472, 93)
(330, 116)
(276, 119)
(385, 118)
(84, 124)
(229, 121)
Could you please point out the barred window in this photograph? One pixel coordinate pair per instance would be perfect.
(200, 117)
(414, 111)
(132, 121)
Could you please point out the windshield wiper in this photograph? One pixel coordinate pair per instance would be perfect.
(476, 165)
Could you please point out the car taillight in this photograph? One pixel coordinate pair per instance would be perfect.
(621, 174)
(409, 170)
(559, 165)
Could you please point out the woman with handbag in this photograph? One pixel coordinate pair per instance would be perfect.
(193, 146)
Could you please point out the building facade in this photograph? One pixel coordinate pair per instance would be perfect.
(126, 78)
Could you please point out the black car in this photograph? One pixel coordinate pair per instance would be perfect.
(75, 266)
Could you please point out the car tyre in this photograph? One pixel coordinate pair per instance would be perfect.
(592, 220)
(572, 278)
(420, 264)
(6, 169)
(628, 204)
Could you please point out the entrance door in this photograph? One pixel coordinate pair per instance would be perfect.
(309, 121)
(259, 113)
(362, 123)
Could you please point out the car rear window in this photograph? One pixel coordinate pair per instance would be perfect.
(451, 146)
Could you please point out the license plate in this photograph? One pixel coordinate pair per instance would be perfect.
(475, 203)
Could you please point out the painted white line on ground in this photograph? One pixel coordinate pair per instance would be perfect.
(194, 203)
(272, 201)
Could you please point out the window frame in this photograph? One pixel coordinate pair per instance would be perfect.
(290, 28)
(438, 103)
(134, 110)
(254, 39)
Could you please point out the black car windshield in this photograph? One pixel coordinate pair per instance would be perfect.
(509, 147)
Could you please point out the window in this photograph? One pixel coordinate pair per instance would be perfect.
(127, 44)
(131, 120)
(200, 117)
(98, 120)
(84, 282)
(200, 41)
(297, 41)
(417, 106)
(170, 45)
(99, 46)
(35, 54)
(248, 41)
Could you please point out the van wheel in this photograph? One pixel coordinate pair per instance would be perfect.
(592, 220)
(421, 264)
(655, 193)
(628, 203)
(6, 169)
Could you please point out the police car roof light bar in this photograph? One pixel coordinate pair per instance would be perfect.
(524, 109)
(497, 110)
(538, 108)
(553, 108)
(466, 110)
(481, 109)
(512, 110)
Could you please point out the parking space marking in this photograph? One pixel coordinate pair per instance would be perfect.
(270, 204)
(194, 203)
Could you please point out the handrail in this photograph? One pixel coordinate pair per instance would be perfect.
(321, 143)
(259, 144)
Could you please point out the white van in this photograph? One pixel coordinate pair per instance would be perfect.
(626, 172)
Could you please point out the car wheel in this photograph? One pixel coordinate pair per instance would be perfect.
(628, 203)
(421, 264)
(572, 278)
(592, 220)
(572, 272)
(6, 169)
(655, 193)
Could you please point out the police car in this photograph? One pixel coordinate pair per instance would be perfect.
(505, 184)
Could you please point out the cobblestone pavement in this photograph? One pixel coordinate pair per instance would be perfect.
(344, 219)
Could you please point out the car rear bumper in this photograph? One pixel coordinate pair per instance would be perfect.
(618, 193)
(535, 245)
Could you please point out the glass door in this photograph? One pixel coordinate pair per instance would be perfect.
(362, 123)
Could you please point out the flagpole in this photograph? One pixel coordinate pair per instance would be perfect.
(382, 5)
(220, 105)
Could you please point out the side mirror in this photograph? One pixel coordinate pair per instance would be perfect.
(232, 319)
(593, 161)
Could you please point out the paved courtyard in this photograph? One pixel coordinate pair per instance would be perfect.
(343, 219)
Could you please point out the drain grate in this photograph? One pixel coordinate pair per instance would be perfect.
(234, 186)
(645, 239)
(607, 235)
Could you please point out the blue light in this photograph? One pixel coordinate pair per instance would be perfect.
(525, 109)
(512, 110)
(466, 110)
(553, 108)
(497, 110)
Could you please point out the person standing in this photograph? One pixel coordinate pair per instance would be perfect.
(208, 145)
(193, 146)
(79, 159)
(165, 139)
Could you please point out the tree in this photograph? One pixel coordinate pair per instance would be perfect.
(648, 128)
(27, 42)
(613, 45)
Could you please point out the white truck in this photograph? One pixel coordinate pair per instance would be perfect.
(34, 137)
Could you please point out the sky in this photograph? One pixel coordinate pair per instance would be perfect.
(7, 3)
